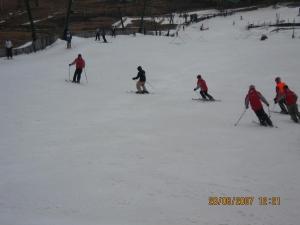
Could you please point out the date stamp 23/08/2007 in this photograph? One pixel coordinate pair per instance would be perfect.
(244, 201)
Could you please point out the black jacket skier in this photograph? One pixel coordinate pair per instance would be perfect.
(141, 75)
(140, 85)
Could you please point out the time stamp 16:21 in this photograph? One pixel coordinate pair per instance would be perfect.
(244, 201)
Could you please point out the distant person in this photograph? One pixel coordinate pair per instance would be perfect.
(80, 65)
(279, 95)
(203, 88)
(140, 84)
(97, 38)
(113, 31)
(9, 47)
(290, 99)
(255, 98)
(68, 39)
(103, 33)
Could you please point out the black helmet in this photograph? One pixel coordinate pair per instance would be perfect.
(139, 68)
(199, 76)
(277, 79)
(251, 87)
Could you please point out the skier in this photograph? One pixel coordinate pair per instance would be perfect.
(97, 38)
(113, 31)
(140, 84)
(68, 39)
(290, 99)
(103, 33)
(203, 89)
(80, 64)
(8, 47)
(255, 98)
(279, 95)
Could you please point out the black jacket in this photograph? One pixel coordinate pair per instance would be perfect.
(141, 75)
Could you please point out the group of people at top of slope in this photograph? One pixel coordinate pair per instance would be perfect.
(286, 98)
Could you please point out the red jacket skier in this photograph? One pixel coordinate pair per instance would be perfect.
(203, 88)
(290, 99)
(255, 98)
(80, 64)
(201, 83)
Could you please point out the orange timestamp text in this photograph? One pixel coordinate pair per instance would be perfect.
(243, 201)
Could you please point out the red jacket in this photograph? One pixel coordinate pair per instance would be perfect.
(290, 97)
(255, 98)
(80, 64)
(280, 90)
(202, 84)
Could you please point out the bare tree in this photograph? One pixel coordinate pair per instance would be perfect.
(33, 31)
(142, 24)
(66, 28)
(121, 17)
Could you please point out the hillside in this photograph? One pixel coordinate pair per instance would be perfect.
(49, 16)
(95, 153)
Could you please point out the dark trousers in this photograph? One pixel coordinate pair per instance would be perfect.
(9, 53)
(282, 105)
(204, 94)
(264, 119)
(69, 44)
(294, 112)
(104, 39)
(97, 37)
(77, 75)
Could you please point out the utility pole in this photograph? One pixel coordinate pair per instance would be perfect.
(33, 31)
(142, 26)
(66, 28)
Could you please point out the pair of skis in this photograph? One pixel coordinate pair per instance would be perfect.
(139, 93)
(255, 122)
(206, 100)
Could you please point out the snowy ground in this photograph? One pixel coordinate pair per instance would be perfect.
(93, 154)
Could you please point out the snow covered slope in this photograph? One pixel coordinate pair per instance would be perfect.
(94, 154)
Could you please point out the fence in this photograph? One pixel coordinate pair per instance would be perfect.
(39, 44)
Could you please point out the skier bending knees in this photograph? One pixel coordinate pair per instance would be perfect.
(255, 98)
(140, 84)
(290, 98)
(203, 88)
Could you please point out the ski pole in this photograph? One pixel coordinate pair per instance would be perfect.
(69, 73)
(85, 76)
(243, 113)
(269, 112)
(273, 107)
(150, 85)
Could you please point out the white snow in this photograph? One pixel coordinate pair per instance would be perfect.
(25, 45)
(37, 21)
(93, 154)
